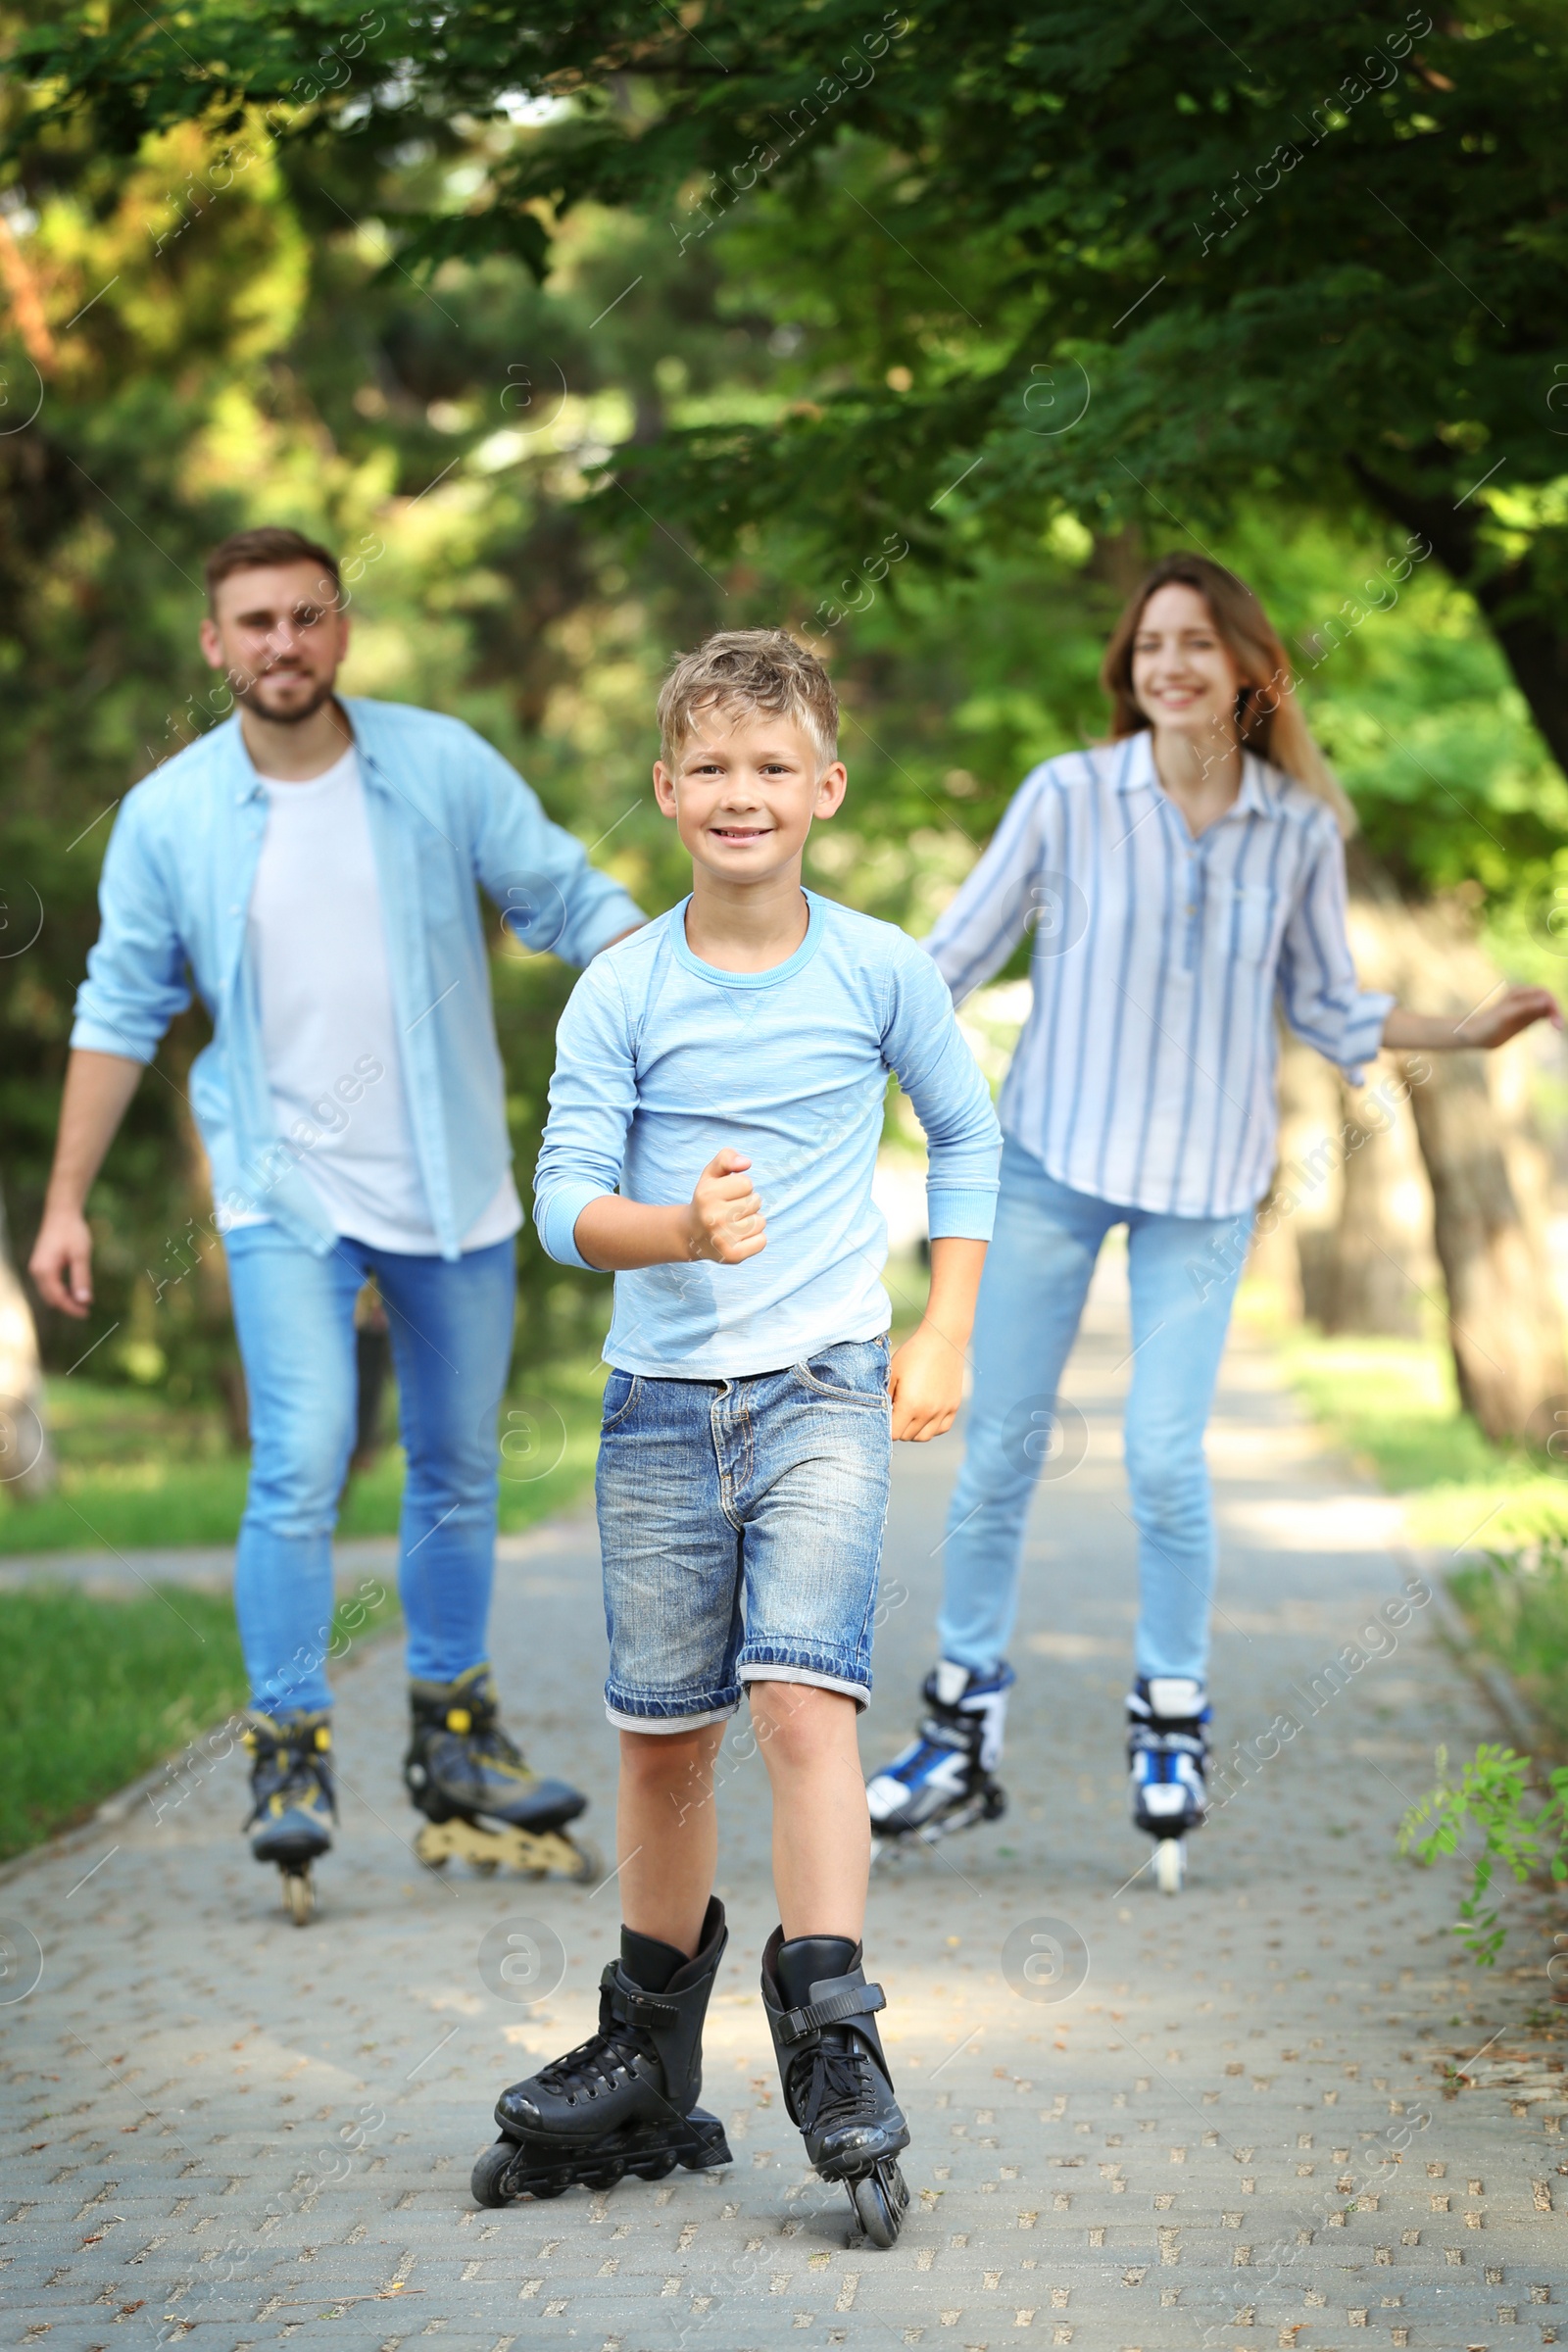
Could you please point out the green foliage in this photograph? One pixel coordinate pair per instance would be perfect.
(1524, 1829)
(1516, 1603)
(1310, 255)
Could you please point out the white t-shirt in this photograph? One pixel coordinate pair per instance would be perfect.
(329, 1032)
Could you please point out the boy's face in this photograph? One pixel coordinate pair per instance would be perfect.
(743, 792)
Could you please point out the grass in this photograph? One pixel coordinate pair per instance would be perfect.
(1498, 1513)
(1517, 1606)
(135, 1472)
(1393, 1405)
(100, 1689)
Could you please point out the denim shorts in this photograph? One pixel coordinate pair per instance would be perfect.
(740, 1522)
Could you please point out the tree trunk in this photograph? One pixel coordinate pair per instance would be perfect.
(1429, 1176)
(1486, 1170)
(1504, 1323)
(1351, 1200)
(26, 1458)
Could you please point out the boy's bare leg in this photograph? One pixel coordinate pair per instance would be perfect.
(667, 1834)
(822, 1827)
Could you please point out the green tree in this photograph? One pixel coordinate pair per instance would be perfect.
(1123, 263)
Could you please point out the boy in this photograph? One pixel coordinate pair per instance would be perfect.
(726, 1068)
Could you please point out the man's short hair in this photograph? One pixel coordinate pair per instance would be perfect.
(270, 544)
(759, 671)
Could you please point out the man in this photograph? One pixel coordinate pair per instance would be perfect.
(311, 867)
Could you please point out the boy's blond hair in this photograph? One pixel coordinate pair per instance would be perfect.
(759, 671)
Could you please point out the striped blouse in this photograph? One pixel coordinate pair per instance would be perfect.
(1145, 1071)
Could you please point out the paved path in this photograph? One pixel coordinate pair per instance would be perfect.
(1231, 2133)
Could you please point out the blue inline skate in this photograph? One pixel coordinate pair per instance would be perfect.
(945, 1779)
(1167, 1758)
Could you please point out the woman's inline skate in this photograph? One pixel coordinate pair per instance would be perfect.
(1167, 1759)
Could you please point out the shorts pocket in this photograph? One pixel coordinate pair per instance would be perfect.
(622, 1391)
(853, 1373)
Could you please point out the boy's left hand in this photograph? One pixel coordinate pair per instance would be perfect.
(925, 1380)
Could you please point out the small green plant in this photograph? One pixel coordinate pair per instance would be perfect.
(1523, 1824)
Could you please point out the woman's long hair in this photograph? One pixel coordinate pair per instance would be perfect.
(1268, 718)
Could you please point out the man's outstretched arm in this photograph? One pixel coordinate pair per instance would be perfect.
(97, 1095)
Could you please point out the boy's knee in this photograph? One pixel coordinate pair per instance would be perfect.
(674, 1760)
(793, 1720)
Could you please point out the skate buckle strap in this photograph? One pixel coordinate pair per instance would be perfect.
(855, 2001)
(638, 2008)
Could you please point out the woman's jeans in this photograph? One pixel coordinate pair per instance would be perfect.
(1183, 1273)
(451, 1325)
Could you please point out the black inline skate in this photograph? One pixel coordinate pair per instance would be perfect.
(626, 2101)
(1167, 1758)
(480, 1799)
(945, 1779)
(293, 1806)
(837, 2088)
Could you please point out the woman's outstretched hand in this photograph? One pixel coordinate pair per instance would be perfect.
(1515, 1010)
(1491, 1024)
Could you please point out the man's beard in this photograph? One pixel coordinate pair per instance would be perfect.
(290, 719)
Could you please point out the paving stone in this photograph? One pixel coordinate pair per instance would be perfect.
(1233, 2133)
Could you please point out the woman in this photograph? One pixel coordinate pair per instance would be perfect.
(1181, 879)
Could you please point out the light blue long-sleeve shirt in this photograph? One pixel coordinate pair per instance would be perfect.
(447, 813)
(663, 1060)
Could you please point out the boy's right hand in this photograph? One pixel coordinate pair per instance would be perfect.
(725, 1216)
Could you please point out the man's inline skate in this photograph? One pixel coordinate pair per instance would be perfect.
(625, 2100)
(480, 1799)
(293, 1807)
(1167, 1758)
(837, 2088)
(945, 1779)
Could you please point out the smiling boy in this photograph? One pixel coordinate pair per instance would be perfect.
(715, 1119)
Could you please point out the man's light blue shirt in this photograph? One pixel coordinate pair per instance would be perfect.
(663, 1060)
(447, 813)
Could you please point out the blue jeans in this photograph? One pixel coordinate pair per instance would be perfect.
(740, 1524)
(451, 1323)
(1182, 1273)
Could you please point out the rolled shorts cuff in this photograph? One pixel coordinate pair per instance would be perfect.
(763, 1671)
(629, 1713)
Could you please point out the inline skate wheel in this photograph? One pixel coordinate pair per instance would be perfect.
(1170, 1865)
(880, 2199)
(299, 1896)
(489, 2172)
